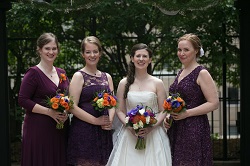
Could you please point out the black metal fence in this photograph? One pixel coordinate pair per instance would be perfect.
(224, 122)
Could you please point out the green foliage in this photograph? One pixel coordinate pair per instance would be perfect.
(128, 22)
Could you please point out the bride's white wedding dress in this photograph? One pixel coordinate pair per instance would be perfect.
(157, 152)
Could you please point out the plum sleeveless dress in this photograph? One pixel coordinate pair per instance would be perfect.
(42, 143)
(157, 152)
(190, 138)
(88, 144)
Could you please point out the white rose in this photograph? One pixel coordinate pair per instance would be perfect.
(147, 119)
(126, 119)
(141, 111)
(140, 124)
(135, 126)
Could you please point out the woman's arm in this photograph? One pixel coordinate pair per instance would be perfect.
(161, 96)
(209, 90)
(27, 90)
(111, 86)
(121, 110)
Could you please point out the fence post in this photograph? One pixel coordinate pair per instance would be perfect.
(244, 15)
(4, 118)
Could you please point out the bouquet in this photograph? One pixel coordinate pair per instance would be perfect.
(174, 103)
(140, 117)
(104, 100)
(60, 103)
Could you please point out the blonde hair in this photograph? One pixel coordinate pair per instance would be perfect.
(92, 40)
(195, 41)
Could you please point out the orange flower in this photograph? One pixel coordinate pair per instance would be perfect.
(55, 106)
(105, 98)
(136, 119)
(95, 99)
(64, 104)
(54, 100)
(166, 105)
(62, 77)
(105, 102)
(105, 95)
(180, 100)
(67, 108)
(61, 100)
(177, 109)
(113, 102)
(143, 119)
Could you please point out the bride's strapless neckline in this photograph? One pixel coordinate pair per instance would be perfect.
(142, 92)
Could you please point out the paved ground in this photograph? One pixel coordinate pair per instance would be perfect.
(226, 163)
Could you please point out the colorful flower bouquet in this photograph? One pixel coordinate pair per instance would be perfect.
(174, 103)
(138, 118)
(60, 103)
(104, 100)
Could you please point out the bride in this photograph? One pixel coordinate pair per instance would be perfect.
(139, 87)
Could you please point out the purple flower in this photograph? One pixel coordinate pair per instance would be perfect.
(100, 95)
(146, 114)
(175, 104)
(139, 107)
(132, 112)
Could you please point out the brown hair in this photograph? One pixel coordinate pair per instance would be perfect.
(45, 38)
(131, 66)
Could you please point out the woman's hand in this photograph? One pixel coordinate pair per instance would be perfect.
(64, 117)
(103, 121)
(57, 116)
(132, 131)
(166, 123)
(107, 126)
(144, 131)
(180, 116)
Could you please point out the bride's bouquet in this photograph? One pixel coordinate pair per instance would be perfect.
(138, 118)
(174, 103)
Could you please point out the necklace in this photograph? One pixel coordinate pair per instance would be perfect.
(138, 85)
(46, 72)
(141, 83)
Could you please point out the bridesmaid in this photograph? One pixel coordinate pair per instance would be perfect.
(90, 137)
(42, 143)
(189, 133)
